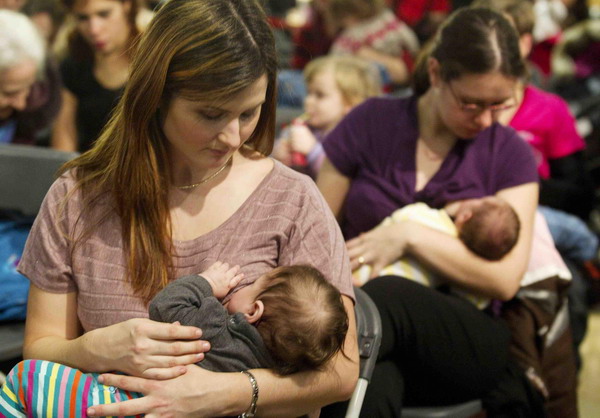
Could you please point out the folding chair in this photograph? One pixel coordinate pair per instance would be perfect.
(369, 330)
(368, 324)
(26, 174)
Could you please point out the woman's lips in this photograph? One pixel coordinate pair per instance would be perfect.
(219, 154)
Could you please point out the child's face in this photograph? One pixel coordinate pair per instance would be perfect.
(324, 104)
(243, 300)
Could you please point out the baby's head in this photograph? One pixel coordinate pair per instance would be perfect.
(488, 226)
(335, 85)
(350, 12)
(299, 315)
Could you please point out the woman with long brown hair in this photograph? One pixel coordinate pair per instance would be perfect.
(178, 179)
(94, 69)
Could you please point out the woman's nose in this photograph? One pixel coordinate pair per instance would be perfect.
(230, 134)
(485, 118)
(94, 26)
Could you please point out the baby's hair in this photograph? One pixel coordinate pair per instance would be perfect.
(356, 78)
(492, 231)
(360, 9)
(304, 323)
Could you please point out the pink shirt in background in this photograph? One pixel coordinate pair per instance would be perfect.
(546, 123)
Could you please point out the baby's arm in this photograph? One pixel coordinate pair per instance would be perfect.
(301, 139)
(222, 278)
(191, 299)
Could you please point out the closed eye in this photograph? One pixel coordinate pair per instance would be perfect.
(249, 115)
(211, 116)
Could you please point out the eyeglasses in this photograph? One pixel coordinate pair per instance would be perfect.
(477, 108)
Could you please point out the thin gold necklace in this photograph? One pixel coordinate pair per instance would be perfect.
(212, 176)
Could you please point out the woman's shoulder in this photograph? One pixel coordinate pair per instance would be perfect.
(499, 141)
(64, 183)
(64, 191)
(287, 186)
(284, 179)
(500, 133)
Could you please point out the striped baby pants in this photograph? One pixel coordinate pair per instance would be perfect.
(38, 388)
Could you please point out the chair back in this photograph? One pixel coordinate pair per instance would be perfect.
(26, 174)
(369, 331)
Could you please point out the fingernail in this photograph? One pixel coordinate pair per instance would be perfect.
(101, 379)
(206, 346)
(198, 333)
(91, 411)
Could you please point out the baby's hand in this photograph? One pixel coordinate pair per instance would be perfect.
(302, 139)
(222, 278)
(282, 151)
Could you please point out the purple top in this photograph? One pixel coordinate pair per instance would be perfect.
(375, 147)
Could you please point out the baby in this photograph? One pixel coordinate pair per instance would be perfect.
(290, 319)
(488, 226)
(336, 84)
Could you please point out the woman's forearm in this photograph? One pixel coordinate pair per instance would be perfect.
(200, 392)
(75, 353)
(52, 331)
(302, 393)
(450, 257)
(496, 279)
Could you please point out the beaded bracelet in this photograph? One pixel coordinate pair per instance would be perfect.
(251, 412)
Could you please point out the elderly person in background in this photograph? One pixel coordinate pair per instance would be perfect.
(29, 97)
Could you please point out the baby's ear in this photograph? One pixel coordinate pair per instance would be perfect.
(256, 312)
(462, 217)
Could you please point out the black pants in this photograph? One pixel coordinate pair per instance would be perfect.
(437, 349)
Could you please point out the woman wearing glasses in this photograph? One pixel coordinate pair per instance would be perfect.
(440, 146)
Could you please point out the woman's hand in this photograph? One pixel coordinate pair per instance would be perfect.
(184, 396)
(380, 246)
(145, 348)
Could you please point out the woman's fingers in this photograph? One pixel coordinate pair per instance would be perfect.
(131, 383)
(164, 331)
(170, 361)
(129, 407)
(173, 353)
(165, 373)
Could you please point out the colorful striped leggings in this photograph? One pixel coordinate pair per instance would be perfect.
(37, 388)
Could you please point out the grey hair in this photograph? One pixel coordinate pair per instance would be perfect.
(20, 40)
